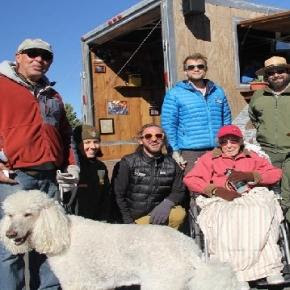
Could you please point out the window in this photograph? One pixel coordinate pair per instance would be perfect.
(282, 46)
(258, 39)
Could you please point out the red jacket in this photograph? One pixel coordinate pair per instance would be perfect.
(33, 130)
(210, 169)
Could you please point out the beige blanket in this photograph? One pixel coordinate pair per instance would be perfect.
(244, 232)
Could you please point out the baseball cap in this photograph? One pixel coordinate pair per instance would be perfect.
(229, 130)
(34, 43)
(83, 132)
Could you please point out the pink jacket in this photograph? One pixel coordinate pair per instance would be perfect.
(209, 171)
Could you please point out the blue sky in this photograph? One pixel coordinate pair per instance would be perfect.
(62, 23)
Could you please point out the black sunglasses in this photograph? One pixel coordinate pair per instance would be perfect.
(33, 53)
(233, 140)
(192, 66)
(279, 71)
(148, 136)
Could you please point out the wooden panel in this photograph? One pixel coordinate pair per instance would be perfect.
(212, 34)
(279, 22)
(116, 152)
(109, 86)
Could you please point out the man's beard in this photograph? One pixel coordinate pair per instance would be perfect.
(279, 86)
(155, 151)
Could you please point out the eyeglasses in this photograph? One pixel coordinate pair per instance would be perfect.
(232, 140)
(192, 66)
(33, 53)
(279, 71)
(148, 136)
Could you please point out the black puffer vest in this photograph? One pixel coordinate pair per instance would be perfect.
(150, 182)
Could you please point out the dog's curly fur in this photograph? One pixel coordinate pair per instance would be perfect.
(91, 255)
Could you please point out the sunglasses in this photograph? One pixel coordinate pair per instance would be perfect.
(279, 71)
(148, 136)
(33, 53)
(192, 66)
(232, 140)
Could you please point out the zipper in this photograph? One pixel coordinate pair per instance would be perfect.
(205, 99)
(276, 121)
(152, 178)
(151, 182)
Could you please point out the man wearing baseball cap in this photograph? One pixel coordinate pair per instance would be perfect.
(269, 112)
(35, 142)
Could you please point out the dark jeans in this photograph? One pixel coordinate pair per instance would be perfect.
(191, 157)
(12, 266)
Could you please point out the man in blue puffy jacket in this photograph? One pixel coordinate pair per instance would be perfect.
(192, 113)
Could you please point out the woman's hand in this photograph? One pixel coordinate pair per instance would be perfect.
(241, 176)
(226, 194)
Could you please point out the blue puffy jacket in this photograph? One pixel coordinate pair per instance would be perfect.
(191, 120)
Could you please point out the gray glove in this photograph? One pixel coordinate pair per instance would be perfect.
(160, 213)
(179, 159)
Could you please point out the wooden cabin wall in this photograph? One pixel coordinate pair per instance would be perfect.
(109, 86)
(212, 34)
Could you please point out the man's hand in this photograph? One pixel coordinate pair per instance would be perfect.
(160, 213)
(179, 159)
(241, 176)
(226, 194)
(4, 175)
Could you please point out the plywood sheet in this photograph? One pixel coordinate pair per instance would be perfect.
(111, 86)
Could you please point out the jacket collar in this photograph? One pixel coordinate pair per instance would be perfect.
(286, 91)
(149, 159)
(84, 159)
(187, 85)
(8, 69)
(217, 152)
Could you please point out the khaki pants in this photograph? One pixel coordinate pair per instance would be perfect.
(175, 220)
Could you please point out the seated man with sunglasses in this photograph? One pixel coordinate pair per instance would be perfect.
(269, 111)
(239, 215)
(148, 185)
(35, 142)
(192, 113)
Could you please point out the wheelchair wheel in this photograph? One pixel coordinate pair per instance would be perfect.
(284, 246)
(194, 229)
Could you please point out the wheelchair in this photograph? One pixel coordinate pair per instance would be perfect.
(196, 233)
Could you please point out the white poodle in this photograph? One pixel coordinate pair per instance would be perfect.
(90, 255)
